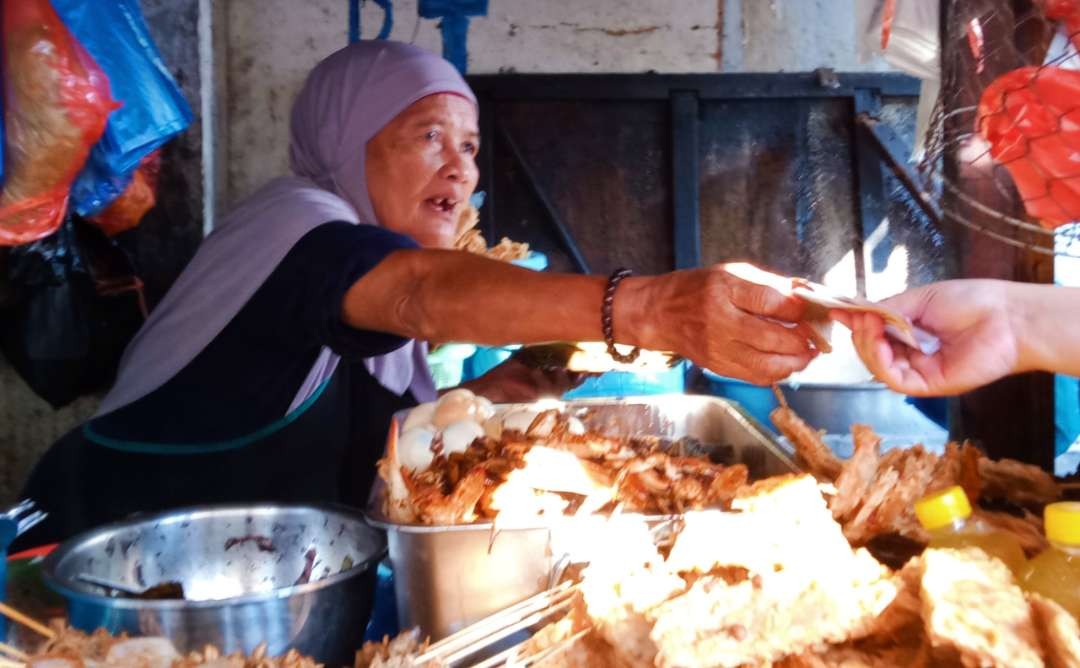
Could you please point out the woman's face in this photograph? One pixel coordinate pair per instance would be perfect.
(421, 168)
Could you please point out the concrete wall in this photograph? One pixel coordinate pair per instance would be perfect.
(273, 43)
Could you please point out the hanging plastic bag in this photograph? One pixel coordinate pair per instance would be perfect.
(56, 104)
(76, 306)
(127, 210)
(873, 25)
(1031, 120)
(154, 109)
(1068, 13)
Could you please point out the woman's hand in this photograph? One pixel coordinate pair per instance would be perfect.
(979, 323)
(723, 323)
(515, 382)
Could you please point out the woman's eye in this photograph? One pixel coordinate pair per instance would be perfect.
(470, 147)
(431, 135)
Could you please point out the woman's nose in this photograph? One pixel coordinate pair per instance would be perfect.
(457, 168)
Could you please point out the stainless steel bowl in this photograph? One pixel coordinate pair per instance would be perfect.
(834, 407)
(292, 576)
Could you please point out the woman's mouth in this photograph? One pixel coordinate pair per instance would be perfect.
(443, 205)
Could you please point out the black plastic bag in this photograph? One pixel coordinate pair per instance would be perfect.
(73, 303)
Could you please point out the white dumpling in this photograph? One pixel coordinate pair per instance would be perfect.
(575, 426)
(420, 416)
(459, 404)
(458, 436)
(414, 448)
(152, 652)
(484, 408)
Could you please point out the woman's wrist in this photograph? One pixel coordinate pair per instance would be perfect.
(632, 323)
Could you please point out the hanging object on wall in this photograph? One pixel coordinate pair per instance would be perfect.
(454, 24)
(354, 19)
(153, 109)
(56, 102)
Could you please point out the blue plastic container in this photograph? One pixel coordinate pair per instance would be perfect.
(485, 359)
(631, 384)
(535, 260)
(447, 364)
(3, 591)
(384, 618)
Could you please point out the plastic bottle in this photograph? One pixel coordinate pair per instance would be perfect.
(1055, 573)
(946, 515)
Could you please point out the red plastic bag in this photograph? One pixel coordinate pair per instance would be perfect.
(138, 197)
(1068, 13)
(1031, 118)
(56, 103)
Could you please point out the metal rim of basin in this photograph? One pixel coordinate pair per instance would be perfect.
(76, 592)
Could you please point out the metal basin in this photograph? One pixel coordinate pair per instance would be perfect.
(834, 407)
(292, 576)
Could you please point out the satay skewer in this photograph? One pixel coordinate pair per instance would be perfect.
(32, 624)
(15, 653)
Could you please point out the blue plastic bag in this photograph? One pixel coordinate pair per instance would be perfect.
(154, 109)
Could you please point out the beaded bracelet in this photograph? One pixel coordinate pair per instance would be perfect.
(607, 317)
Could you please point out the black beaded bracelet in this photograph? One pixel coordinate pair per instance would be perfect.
(607, 317)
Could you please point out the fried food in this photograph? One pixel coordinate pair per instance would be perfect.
(972, 605)
(802, 584)
(1020, 483)
(809, 446)
(471, 240)
(876, 493)
(550, 467)
(399, 652)
(71, 648)
(1058, 631)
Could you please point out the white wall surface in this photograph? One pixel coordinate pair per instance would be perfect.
(271, 44)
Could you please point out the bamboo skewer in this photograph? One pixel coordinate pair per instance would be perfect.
(473, 636)
(32, 624)
(13, 652)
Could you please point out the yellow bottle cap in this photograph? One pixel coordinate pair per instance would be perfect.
(1062, 521)
(943, 508)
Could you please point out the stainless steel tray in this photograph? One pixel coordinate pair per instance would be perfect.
(446, 577)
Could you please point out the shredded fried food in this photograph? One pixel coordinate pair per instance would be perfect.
(471, 240)
(1020, 483)
(811, 449)
(551, 469)
(72, 648)
(876, 493)
(399, 652)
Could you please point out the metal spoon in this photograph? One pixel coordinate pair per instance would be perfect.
(108, 584)
(159, 591)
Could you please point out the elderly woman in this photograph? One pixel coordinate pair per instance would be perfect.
(270, 370)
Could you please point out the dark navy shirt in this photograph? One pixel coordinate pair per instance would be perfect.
(247, 377)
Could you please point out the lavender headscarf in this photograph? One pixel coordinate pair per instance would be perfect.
(345, 101)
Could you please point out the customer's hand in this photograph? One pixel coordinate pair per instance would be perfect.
(730, 325)
(515, 382)
(977, 321)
